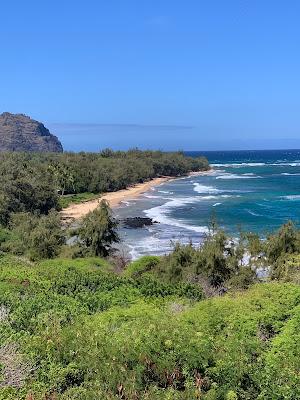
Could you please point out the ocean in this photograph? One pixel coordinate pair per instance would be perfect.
(253, 191)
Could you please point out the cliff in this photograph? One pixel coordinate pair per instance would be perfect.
(19, 132)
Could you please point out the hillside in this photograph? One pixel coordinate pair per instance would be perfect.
(72, 329)
(19, 132)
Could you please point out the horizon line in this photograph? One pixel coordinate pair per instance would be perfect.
(118, 125)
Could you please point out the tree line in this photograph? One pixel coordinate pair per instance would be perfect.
(33, 182)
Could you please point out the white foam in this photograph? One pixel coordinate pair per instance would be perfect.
(126, 203)
(292, 197)
(209, 197)
(235, 176)
(161, 214)
(156, 245)
(205, 189)
(288, 174)
(216, 204)
(223, 196)
(254, 213)
(134, 254)
(293, 164)
(238, 165)
(165, 192)
(151, 196)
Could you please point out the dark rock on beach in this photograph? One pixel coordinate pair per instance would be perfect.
(137, 222)
(19, 132)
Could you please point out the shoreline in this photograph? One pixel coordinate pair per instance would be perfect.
(77, 211)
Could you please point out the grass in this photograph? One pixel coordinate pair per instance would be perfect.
(77, 198)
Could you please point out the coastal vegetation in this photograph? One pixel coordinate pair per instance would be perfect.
(76, 198)
(38, 182)
(98, 231)
(216, 321)
(199, 323)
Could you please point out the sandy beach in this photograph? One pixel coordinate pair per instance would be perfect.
(77, 211)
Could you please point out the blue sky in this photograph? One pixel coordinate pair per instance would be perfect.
(163, 74)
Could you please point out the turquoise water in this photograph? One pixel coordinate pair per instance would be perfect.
(254, 191)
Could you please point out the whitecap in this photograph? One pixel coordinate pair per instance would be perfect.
(205, 189)
(209, 197)
(254, 213)
(223, 196)
(235, 176)
(134, 254)
(157, 246)
(292, 197)
(161, 214)
(286, 164)
(126, 203)
(151, 196)
(239, 165)
(288, 174)
(165, 192)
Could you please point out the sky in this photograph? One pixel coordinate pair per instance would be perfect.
(166, 74)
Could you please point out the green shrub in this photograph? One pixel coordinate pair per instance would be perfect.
(38, 237)
(98, 231)
(231, 395)
(280, 378)
(285, 241)
(88, 333)
(4, 235)
(140, 266)
(243, 278)
(286, 269)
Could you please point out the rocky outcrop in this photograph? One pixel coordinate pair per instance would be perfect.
(137, 222)
(21, 133)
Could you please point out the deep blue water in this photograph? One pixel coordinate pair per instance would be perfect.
(248, 156)
(250, 190)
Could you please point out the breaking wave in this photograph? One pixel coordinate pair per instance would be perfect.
(162, 214)
(235, 176)
(205, 189)
(292, 197)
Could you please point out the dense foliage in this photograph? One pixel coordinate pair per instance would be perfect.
(31, 182)
(221, 262)
(73, 329)
(25, 187)
(98, 231)
(35, 236)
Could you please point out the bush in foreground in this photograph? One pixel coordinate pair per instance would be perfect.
(87, 333)
(38, 237)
